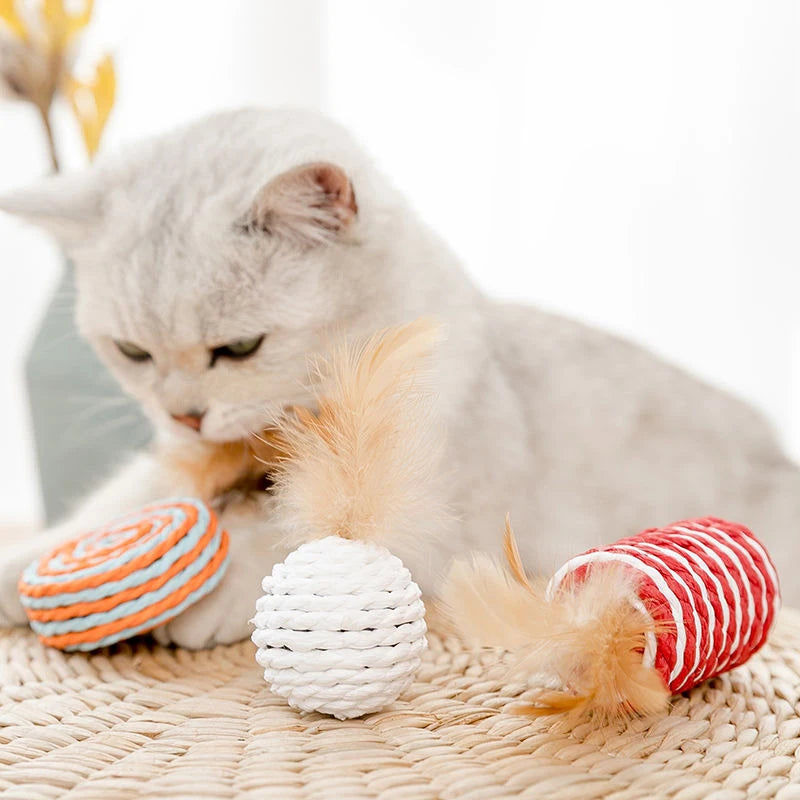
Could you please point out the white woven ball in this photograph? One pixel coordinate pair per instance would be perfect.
(340, 628)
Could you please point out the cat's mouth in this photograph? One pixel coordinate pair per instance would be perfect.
(217, 427)
(221, 425)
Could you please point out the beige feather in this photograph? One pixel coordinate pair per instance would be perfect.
(513, 557)
(487, 607)
(590, 636)
(364, 467)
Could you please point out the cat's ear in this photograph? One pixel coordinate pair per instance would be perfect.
(68, 207)
(311, 204)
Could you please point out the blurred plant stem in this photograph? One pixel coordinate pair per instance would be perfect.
(44, 106)
(50, 138)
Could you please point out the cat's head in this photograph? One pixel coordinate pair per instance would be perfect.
(212, 261)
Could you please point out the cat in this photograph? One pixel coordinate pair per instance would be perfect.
(212, 261)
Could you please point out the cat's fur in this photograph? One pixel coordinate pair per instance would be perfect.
(198, 238)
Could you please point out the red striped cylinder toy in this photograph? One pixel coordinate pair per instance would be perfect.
(710, 587)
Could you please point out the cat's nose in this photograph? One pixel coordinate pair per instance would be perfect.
(192, 419)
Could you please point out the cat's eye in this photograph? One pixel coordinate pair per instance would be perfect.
(132, 351)
(242, 348)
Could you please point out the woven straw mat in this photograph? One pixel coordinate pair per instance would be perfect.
(139, 720)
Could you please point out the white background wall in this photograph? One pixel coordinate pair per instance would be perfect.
(634, 164)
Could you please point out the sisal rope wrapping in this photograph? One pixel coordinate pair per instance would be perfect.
(125, 578)
(340, 627)
(709, 585)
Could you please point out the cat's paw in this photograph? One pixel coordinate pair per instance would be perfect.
(223, 616)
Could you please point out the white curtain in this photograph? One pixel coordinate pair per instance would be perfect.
(634, 164)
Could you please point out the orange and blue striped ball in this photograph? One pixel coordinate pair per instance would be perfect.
(125, 578)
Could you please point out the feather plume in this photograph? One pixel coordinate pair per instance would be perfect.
(590, 637)
(487, 607)
(364, 466)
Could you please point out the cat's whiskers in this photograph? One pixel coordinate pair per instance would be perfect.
(100, 405)
(95, 432)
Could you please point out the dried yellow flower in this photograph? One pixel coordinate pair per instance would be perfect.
(35, 66)
(92, 102)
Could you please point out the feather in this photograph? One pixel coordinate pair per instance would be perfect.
(513, 557)
(590, 636)
(595, 646)
(364, 466)
(487, 607)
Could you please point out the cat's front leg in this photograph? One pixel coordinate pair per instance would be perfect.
(223, 616)
(140, 481)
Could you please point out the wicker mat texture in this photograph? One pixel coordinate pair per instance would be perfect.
(141, 721)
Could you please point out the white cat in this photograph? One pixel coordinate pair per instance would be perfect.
(212, 261)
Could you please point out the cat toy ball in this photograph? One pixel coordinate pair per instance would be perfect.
(340, 628)
(125, 578)
(624, 626)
